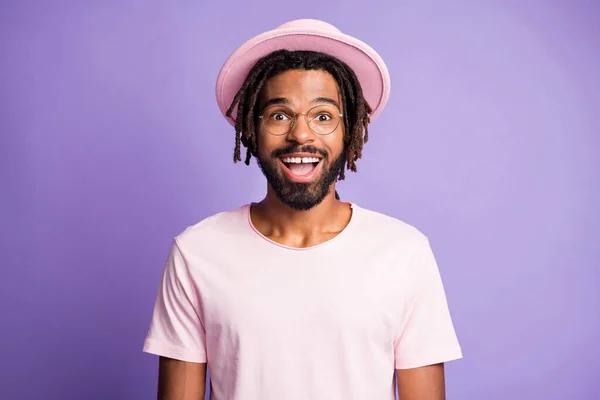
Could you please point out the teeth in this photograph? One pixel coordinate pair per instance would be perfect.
(298, 160)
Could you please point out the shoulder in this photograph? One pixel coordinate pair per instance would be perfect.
(389, 229)
(214, 228)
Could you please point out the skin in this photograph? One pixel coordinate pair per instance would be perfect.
(180, 380)
(423, 383)
(271, 216)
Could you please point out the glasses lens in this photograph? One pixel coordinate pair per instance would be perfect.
(277, 120)
(324, 119)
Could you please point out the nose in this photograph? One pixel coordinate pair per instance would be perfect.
(300, 132)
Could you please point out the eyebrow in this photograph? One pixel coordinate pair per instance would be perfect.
(326, 100)
(283, 100)
(275, 100)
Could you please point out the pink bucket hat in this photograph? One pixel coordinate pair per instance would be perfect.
(313, 35)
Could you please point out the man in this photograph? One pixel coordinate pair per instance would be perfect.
(302, 296)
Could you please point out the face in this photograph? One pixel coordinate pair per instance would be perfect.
(301, 166)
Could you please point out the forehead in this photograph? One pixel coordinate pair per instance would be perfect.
(300, 86)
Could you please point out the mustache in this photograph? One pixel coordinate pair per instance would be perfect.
(298, 149)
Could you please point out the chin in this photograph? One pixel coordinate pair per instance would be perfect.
(301, 191)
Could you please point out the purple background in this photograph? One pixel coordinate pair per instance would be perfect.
(111, 144)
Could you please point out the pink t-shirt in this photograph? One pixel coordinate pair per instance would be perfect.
(329, 322)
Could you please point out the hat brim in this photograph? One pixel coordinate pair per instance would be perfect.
(368, 66)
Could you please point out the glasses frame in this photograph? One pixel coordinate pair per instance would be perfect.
(295, 118)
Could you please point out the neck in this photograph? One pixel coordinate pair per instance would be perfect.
(274, 218)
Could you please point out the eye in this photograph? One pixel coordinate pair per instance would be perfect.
(322, 117)
(279, 116)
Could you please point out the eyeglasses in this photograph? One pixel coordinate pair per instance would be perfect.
(279, 120)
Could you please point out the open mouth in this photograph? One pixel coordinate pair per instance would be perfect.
(301, 166)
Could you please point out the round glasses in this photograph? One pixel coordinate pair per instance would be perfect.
(322, 119)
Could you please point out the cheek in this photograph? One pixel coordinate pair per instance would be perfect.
(335, 144)
(266, 144)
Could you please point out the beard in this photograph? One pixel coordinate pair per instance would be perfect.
(301, 196)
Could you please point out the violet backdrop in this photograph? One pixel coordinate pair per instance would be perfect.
(111, 143)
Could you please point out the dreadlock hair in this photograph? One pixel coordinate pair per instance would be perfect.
(355, 110)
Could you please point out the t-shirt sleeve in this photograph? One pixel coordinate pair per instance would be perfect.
(177, 329)
(427, 334)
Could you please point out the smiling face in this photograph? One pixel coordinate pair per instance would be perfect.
(300, 165)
